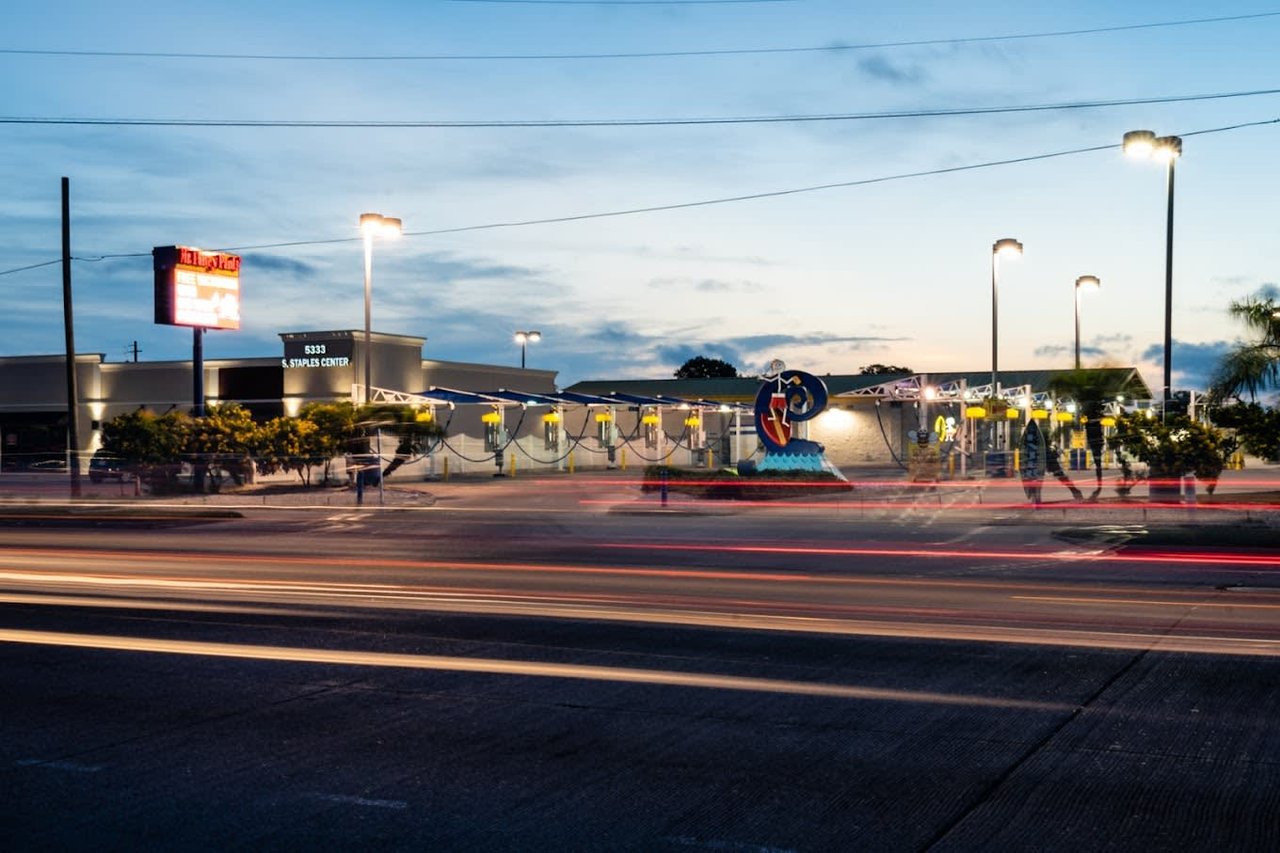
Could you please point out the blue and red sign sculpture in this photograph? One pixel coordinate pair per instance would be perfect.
(786, 398)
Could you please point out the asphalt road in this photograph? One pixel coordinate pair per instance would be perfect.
(466, 676)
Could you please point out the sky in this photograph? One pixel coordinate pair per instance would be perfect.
(891, 265)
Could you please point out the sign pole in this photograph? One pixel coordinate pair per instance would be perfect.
(197, 370)
(73, 425)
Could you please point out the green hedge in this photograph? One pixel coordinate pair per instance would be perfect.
(727, 484)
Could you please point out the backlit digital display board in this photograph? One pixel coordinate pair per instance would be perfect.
(196, 288)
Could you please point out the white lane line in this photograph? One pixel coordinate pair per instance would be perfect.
(55, 764)
(362, 801)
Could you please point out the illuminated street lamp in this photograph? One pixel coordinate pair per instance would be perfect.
(524, 339)
(371, 225)
(1093, 283)
(1007, 247)
(1145, 144)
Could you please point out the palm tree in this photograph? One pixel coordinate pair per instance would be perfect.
(1254, 366)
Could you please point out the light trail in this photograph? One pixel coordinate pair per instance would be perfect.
(737, 615)
(1136, 602)
(1215, 558)
(495, 666)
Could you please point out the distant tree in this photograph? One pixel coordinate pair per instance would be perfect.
(286, 444)
(701, 367)
(1254, 366)
(336, 427)
(878, 369)
(219, 442)
(1256, 427)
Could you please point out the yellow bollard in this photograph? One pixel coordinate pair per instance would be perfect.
(1017, 456)
(711, 459)
(511, 466)
(446, 469)
(571, 462)
(623, 461)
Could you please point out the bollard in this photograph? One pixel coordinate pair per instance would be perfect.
(511, 464)
(662, 488)
(570, 461)
(623, 462)
(446, 469)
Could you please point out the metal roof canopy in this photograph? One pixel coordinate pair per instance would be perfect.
(672, 402)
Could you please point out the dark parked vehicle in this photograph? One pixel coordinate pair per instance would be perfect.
(104, 466)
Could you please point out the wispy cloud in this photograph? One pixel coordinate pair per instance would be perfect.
(706, 285)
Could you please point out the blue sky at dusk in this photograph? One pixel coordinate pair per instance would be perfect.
(884, 269)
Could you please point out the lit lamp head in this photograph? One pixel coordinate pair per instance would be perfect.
(377, 225)
(1139, 143)
(530, 337)
(1144, 144)
(1091, 282)
(1007, 247)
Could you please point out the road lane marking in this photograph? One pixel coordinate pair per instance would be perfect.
(56, 764)
(362, 801)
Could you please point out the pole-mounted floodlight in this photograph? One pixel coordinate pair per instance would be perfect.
(1088, 282)
(1006, 247)
(1145, 144)
(524, 339)
(372, 225)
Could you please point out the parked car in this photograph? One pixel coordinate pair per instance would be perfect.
(104, 466)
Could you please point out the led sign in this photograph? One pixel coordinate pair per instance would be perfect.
(196, 288)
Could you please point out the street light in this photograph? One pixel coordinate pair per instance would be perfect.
(1145, 144)
(524, 339)
(371, 225)
(1007, 247)
(1092, 282)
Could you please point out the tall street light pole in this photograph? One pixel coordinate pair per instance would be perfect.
(1011, 248)
(524, 339)
(1092, 282)
(1144, 143)
(1007, 247)
(371, 225)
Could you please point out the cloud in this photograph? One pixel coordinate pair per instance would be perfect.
(445, 266)
(881, 68)
(707, 285)
(275, 264)
(1193, 364)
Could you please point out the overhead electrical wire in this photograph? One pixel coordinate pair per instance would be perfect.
(654, 54)
(947, 170)
(636, 122)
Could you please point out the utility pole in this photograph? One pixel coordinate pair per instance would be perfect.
(73, 397)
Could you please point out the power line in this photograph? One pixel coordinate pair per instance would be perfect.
(682, 205)
(657, 54)
(620, 2)
(643, 54)
(638, 122)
